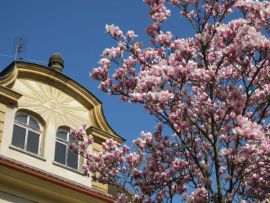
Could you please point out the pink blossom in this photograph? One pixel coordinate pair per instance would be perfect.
(131, 34)
(199, 195)
(211, 93)
(114, 31)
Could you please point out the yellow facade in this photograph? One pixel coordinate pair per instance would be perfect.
(2, 117)
(57, 102)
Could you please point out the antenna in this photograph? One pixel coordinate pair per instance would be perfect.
(19, 48)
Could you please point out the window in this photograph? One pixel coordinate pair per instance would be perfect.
(63, 154)
(26, 133)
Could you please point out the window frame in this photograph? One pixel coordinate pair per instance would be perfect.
(66, 143)
(28, 128)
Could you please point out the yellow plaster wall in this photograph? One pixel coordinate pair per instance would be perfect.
(56, 108)
(49, 99)
(38, 190)
(51, 103)
(97, 148)
(2, 117)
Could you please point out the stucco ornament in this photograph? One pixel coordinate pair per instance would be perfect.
(51, 103)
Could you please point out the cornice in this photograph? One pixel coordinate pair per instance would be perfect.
(8, 96)
(102, 134)
(57, 79)
(8, 75)
(21, 69)
(20, 167)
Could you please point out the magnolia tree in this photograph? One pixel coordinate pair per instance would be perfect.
(212, 90)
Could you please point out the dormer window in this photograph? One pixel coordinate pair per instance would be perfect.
(27, 132)
(63, 154)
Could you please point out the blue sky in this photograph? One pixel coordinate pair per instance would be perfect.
(76, 29)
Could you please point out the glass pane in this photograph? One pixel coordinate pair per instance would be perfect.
(60, 153)
(21, 118)
(33, 124)
(72, 160)
(18, 137)
(62, 135)
(72, 140)
(32, 142)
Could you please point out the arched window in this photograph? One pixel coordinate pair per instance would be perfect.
(63, 154)
(27, 132)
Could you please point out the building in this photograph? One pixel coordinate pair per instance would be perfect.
(38, 107)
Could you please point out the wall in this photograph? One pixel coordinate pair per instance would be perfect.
(9, 198)
(56, 109)
(2, 117)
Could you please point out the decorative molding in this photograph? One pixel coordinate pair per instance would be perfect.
(2, 119)
(50, 178)
(8, 75)
(8, 96)
(27, 153)
(52, 104)
(26, 70)
(102, 134)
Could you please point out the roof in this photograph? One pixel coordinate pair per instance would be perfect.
(68, 85)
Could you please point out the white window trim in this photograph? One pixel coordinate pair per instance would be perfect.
(27, 127)
(66, 143)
